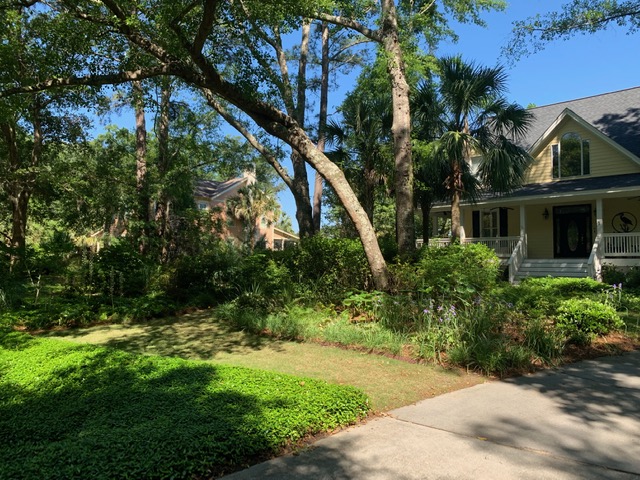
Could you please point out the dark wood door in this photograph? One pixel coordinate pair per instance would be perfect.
(572, 231)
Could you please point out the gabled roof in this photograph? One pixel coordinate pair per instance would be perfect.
(616, 115)
(212, 190)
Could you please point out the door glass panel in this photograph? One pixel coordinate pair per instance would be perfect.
(573, 235)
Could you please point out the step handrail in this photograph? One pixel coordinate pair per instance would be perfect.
(594, 265)
(516, 259)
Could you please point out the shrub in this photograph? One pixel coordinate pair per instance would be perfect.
(212, 272)
(260, 272)
(329, 267)
(581, 320)
(540, 297)
(461, 271)
(118, 269)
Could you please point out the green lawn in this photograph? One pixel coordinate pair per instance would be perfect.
(82, 411)
(389, 383)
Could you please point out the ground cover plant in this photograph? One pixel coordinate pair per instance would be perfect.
(69, 411)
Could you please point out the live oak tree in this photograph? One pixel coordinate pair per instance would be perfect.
(204, 44)
(32, 124)
(198, 43)
(397, 27)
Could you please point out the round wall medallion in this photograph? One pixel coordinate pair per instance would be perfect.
(624, 222)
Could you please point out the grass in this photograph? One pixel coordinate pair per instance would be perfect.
(388, 382)
(83, 411)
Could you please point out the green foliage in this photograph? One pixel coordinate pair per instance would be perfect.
(261, 271)
(211, 272)
(80, 412)
(328, 267)
(118, 269)
(461, 271)
(544, 340)
(50, 256)
(540, 297)
(629, 277)
(582, 319)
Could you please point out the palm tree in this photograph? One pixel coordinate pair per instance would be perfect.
(476, 120)
(362, 144)
(253, 203)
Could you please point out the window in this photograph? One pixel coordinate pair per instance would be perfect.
(490, 223)
(202, 206)
(570, 156)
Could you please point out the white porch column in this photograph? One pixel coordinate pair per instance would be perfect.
(523, 228)
(434, 225)
(463, 235)
(599, 217)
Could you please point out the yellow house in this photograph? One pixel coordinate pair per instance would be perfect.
(580, 204)
(213, 196)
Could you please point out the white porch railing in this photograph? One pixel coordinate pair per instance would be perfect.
(621, 244)
(503, 246)
(594, 265)
(516, 259)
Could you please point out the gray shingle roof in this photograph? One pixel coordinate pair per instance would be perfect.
(211, 189)
(577, 185)
(615, 114)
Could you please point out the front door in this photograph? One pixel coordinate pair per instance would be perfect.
(572, 231)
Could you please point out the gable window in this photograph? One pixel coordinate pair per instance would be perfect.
(571, 156)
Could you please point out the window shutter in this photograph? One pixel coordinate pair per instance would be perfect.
(475, 224)
(504, 225)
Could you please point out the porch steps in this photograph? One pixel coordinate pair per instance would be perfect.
(563, 267)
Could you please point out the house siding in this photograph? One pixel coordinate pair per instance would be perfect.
(605, 160)
(613, 207)
(539, 233)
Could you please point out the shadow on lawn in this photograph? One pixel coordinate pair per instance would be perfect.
(112, 415)
(194, 335)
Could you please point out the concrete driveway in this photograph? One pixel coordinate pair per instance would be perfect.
(581, 421)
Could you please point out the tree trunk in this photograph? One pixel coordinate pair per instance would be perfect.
(162, 205)
(425, 208)
(301, 193)
(20, 185)
(142, 187)
(322, 125)
(455, 204)
(401, 129)
(298, 140)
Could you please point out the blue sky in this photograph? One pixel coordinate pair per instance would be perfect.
(582, 66)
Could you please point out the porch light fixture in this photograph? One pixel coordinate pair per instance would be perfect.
(545, 214)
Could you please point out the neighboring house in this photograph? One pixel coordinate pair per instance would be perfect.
(580, 204)
(213, 196)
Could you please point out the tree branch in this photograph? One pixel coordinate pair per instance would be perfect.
(208, 17)
(374, 35)
(91, 80)
(253, 141)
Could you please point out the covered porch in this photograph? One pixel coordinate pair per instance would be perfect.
(560, 235)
